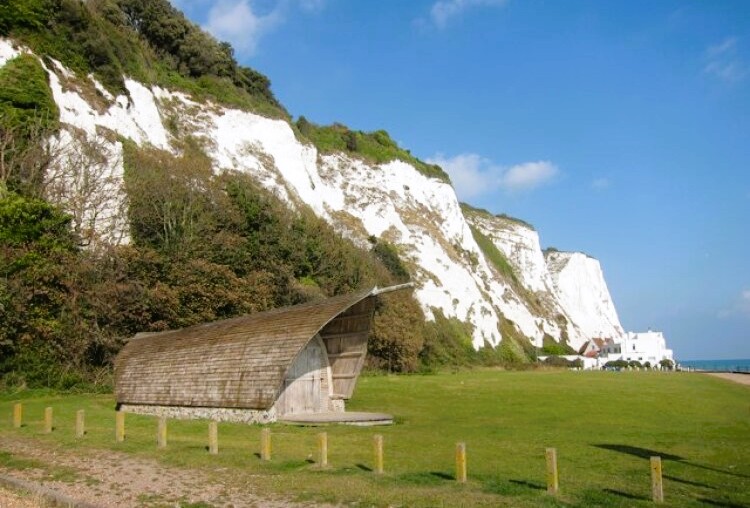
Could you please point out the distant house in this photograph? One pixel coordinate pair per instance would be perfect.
(641, 347)
(610, 349)
(281, 364)
(645, 347)
(591, 348)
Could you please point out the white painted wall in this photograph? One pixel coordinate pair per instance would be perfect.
(641, 347)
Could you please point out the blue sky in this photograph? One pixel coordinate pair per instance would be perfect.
(621, 129)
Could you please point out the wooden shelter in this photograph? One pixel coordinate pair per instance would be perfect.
(293, 361)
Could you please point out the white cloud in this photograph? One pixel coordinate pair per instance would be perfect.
(529, 175)
(235, 21)
(741, 306)
(473, 175)
(443, 11)
(601, 183)
(723, 61)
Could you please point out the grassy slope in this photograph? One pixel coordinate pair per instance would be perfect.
(600, 422)
(376, 147)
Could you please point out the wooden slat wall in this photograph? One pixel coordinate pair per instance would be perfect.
(346, 341)
(240, 362)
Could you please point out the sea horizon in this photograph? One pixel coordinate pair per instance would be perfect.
(725, 365)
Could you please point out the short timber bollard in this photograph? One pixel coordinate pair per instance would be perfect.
(48, 420)
(323, 449)
(119, 426)
(657, 487)
(461, 462)
(377, 442)
(265, 444)
(80, 423)
(17, 415)
(553, 480)
(161, 433)
(213, 438)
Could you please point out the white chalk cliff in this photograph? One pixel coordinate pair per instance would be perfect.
(563, 296)
(581, 290)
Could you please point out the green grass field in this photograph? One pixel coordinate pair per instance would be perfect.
(604, 425)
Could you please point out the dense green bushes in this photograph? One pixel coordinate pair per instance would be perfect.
(25, 97)
(387, 253)
(375, 146)
(28, 114)
(557, 361)
(551, 347)
(494, 256)
(148, 40)
(40, 314)
(448, 343)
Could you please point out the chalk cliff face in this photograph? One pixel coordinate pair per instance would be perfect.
(581, 290)
(563, 296)
(565, 288)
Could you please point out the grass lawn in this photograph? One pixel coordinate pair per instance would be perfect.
(605, 425)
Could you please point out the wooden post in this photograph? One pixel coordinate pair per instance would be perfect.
(553, 484)
(213, 438)
(265, 444)
(17, 415)
(48, 420)
(461, 462)
(80, 423)
(377, 442)
(657, 488)
(161, 433)
(323, 449)
(119, 426)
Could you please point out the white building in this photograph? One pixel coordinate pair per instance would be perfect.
(642, 347)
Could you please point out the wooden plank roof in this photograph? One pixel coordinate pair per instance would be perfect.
(234, 363)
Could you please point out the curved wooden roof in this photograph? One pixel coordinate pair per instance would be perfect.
(235, 363)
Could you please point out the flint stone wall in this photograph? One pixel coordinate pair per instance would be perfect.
(207, 413)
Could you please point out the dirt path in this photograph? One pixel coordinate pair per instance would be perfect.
(115, 479)
(743, 379)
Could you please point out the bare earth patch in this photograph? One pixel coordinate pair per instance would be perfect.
(112, 479)
(743, 379)
(13, 499)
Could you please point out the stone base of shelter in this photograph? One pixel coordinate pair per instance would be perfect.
(207, 413)
(355, 418)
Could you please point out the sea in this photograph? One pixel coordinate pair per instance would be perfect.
(741, 365)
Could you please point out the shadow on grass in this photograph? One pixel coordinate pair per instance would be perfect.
(526, 483)
(495, 485)
(643, 453)
(364, 467)
(723, 504)
(626, 495)
(288, 465)
(431, 478)
(688, 482)
(646, 453)
(717, 470)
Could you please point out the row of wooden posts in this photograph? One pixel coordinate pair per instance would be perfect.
(553, 483)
